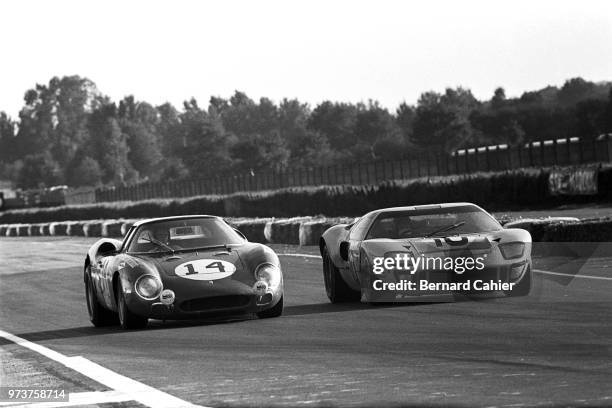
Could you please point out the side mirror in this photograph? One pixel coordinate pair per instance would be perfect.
(344, 247)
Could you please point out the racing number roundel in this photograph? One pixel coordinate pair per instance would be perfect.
(205, 269)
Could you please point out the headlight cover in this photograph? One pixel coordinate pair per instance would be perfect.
(148, 287)
(512, 250)
(269, 273)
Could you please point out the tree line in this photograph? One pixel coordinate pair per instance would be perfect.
(68, 132)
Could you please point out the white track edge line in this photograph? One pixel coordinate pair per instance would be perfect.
(572, 276)
(135, 390)
(302, 255)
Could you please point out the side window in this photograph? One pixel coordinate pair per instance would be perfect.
(360, 228)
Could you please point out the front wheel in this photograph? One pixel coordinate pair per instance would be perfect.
(336, 289)
(274, 311)
(98, 314)
(127, 319)
(523, 287)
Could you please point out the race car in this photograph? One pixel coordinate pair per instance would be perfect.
(409, 253)
(182, 267)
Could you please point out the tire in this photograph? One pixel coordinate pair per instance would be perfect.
(336, 289)
(98, 314)
(274, 311)
(523, 288)
(127, 319)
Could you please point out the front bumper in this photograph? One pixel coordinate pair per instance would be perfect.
(203, 299)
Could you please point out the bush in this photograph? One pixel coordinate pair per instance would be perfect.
(506, 190)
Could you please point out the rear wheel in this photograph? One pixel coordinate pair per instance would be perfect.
(98, 314)
(275, 311)
(127, 319)
(523, 287)
(337, 290)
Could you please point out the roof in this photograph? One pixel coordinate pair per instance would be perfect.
(422, 207)
(177, 217)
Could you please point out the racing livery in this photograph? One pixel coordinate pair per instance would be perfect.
(428, 236)
(180, 268)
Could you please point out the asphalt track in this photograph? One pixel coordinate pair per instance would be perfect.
(553, 348)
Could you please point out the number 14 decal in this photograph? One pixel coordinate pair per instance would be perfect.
(215, 266)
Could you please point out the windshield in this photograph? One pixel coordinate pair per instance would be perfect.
(183, 234)
(432, 222)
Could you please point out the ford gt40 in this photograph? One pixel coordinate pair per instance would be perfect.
(420, 252)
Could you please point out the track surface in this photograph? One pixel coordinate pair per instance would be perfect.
(552, 348)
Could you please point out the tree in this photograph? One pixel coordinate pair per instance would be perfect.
(138, 121)
(335, 121)
(206, 143)
(498, 99)
(108, 145)
(39, 170)
(404, 116)
(84, 171)
(7, 138)
(55, 118)
(442, 121)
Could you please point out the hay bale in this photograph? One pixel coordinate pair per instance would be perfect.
(310, 231)
(34, 230)
(11, 230)
(44, 229)
(252, 229)
(126, 225)
(93, 229)
(59, 228)
(537, 227)
(76, 228)
(283, 231)
(112, 228)
(23, 229)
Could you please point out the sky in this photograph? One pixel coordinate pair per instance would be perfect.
(313, 50)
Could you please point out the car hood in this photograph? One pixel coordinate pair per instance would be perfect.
(208, 264)
(455, 245)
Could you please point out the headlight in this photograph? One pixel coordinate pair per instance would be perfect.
(271, 274)
(148, 287)
(512, 250)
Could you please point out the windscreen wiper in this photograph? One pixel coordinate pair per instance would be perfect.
(159, 243)
(447, 228)
(224, 246)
